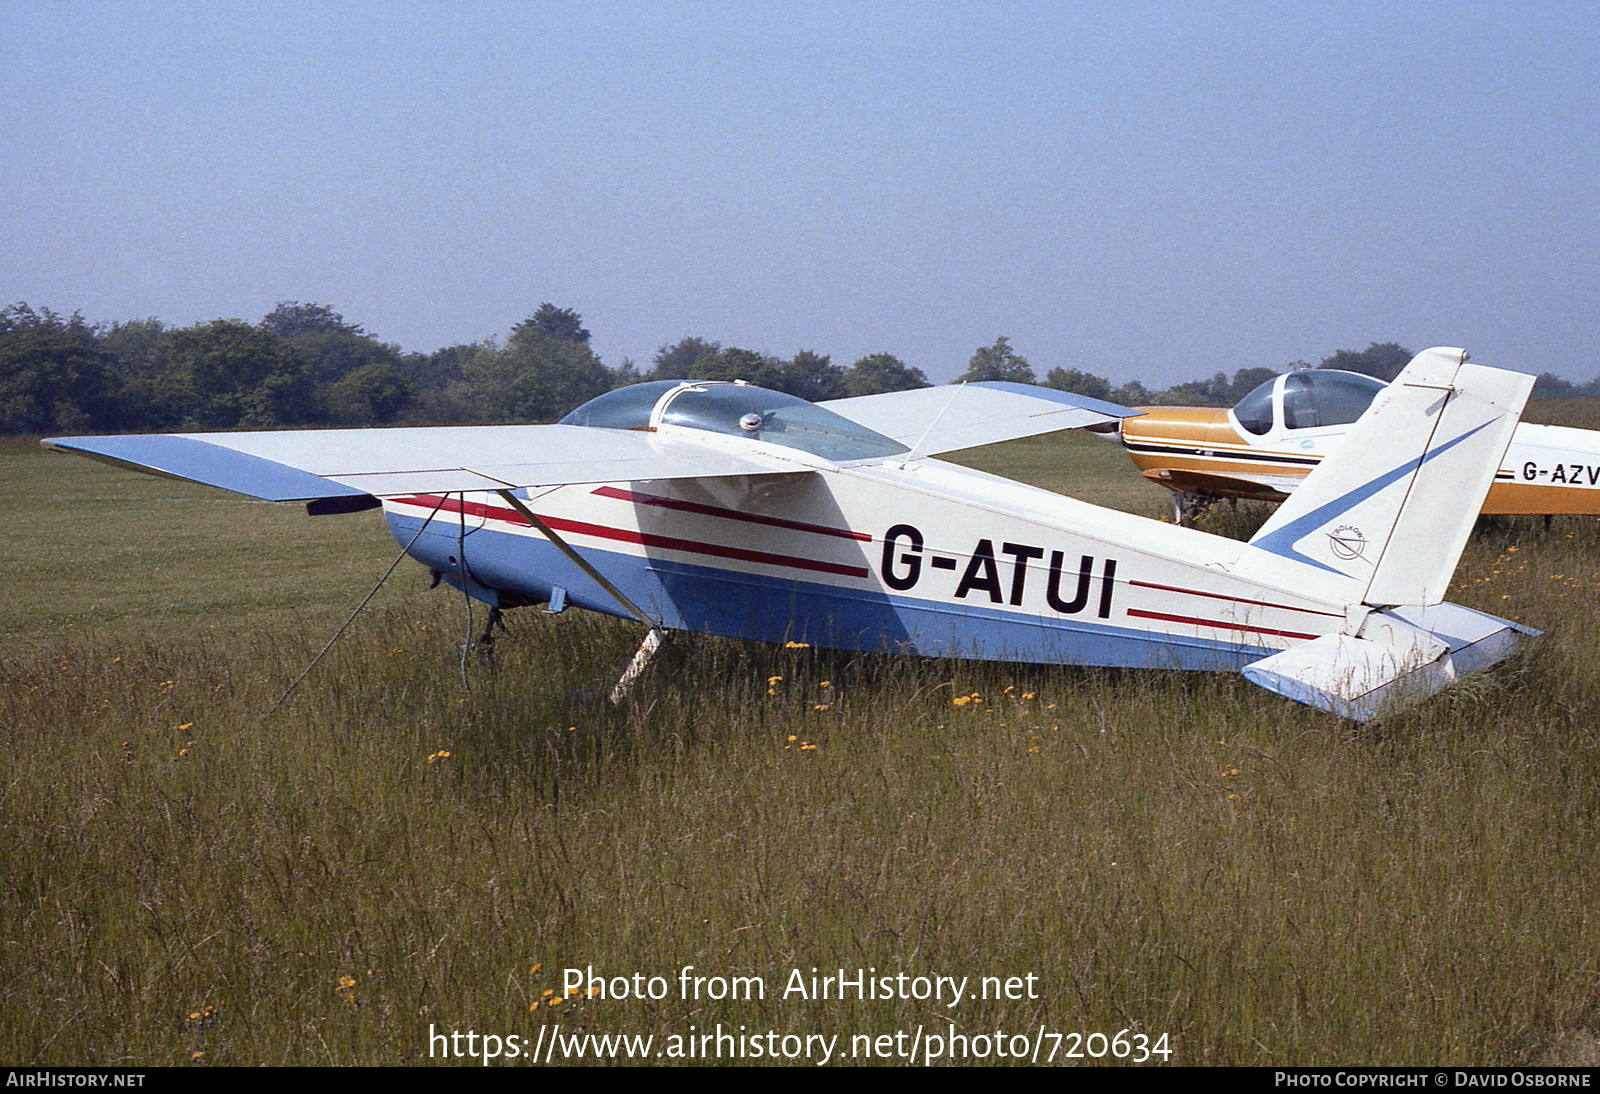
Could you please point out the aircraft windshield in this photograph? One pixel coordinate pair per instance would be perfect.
(1316, 398)
(1311, 398)
(1254, 412)
(743, 411)
(625, 408)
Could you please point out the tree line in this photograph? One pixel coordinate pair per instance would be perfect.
(304, 364)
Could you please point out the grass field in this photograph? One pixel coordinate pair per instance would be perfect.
(184, 880)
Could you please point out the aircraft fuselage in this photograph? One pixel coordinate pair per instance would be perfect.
(927, 558)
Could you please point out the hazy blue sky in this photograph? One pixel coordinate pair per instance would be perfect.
(1142, 190)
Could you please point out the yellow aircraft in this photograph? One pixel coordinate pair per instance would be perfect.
(1264, 446)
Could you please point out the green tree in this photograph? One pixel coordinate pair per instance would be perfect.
(880, 372)
(135, 348)
(1212, 392)
(291, 319)
(626, 373)
(674, 362)
(535, 377)
(1383, 360)
(1247, 380)
(371, 394)
(813, 376)
(1547, 385)
(998, 362)
(562, 324)
(740, 364)
(1132, 393)
(136, 353)
(329, 357)
(52, 376)
(431, 371)
(332, 349)
(444, 394)
(1079, 383)
(227, 374)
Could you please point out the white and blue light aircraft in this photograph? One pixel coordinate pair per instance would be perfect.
(731, 510)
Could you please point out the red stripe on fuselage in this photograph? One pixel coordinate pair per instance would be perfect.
(731, 514)
(1142, 614)
(627, 535)
(1234, 599)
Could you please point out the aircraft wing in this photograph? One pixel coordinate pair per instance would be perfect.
(931, 420)
(306, 465)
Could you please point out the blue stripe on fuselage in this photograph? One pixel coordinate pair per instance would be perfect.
(740, 604)
(1282, 542)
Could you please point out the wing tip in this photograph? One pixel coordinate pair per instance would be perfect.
(193, 459)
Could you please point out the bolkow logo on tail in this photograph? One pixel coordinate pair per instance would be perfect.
(1347, 542)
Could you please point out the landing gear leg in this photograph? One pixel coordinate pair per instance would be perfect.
(484, 643)
(1187, 509)
(652, 638)
(641, 658)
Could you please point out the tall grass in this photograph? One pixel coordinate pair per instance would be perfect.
(1172, 853)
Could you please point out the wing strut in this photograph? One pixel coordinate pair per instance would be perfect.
(652, 640)
(576, 559)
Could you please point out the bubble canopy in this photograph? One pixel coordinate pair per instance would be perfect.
(738, 410)
(1307, 399)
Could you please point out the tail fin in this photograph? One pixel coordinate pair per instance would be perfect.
(1391, 508)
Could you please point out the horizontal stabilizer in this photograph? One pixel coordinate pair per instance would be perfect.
(302, 465)
(930, 420)
(1398, 658)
